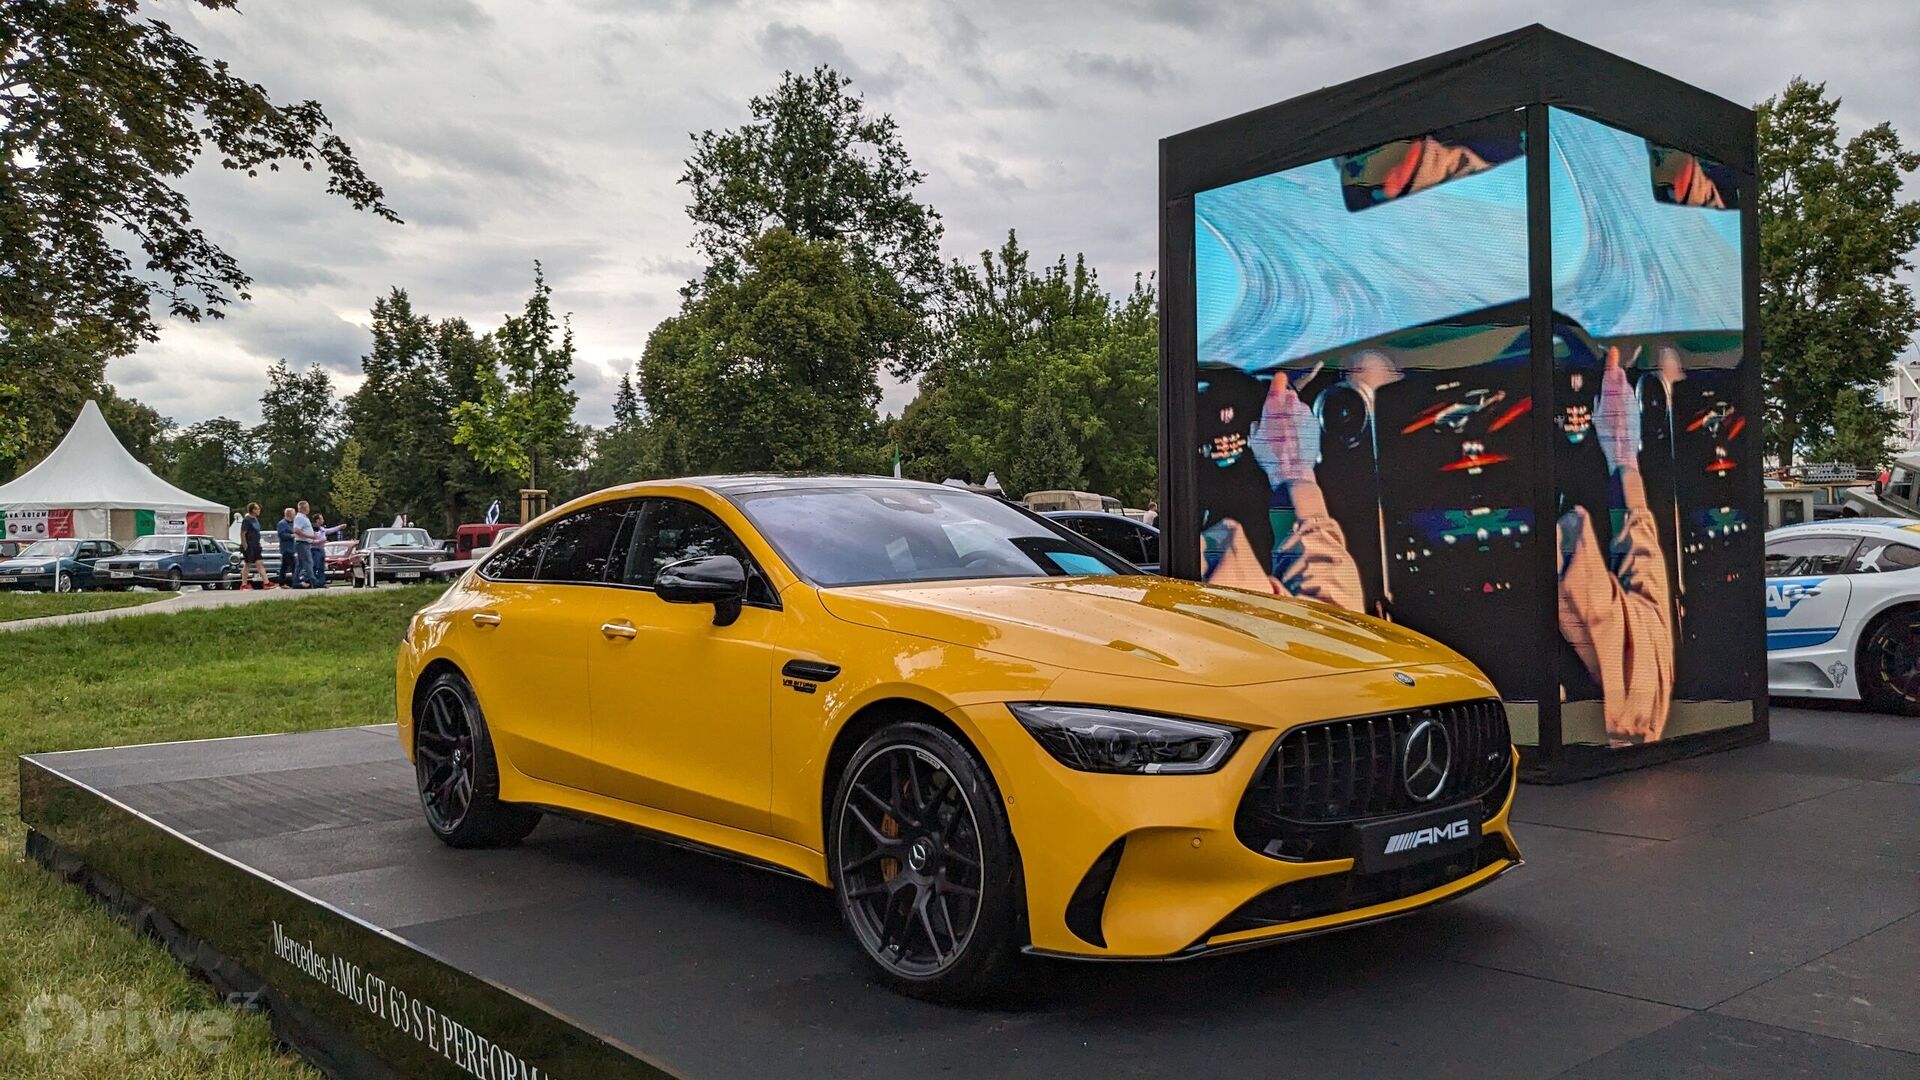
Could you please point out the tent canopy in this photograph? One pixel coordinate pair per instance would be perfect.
(90, 470)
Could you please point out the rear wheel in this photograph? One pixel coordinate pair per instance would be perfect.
(924, 865)
(1889, 663)
(458, 777)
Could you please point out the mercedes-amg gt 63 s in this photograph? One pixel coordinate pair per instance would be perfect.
(985, 734)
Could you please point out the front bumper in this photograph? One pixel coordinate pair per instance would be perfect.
(1184, 882)
(27, 581)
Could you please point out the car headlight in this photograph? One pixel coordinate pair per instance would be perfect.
(1092, 738)
(149, 566)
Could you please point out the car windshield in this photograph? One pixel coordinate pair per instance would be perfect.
(867, 536)
(398, 538)
(159, 545)
(50, 549)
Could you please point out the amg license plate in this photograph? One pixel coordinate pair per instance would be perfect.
(1415, 838)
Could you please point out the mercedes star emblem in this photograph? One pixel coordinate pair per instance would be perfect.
(1427, 760)
(1405, 679)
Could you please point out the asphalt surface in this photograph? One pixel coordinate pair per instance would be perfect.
(1750, 914)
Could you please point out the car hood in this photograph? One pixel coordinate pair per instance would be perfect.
(1140, 627)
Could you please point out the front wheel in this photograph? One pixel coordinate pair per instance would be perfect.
(63, 582)
(924, 867)
(457, 774)
(173, 580)
(1889, 663)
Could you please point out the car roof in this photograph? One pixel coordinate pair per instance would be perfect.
(1905, 528)
(755, 483)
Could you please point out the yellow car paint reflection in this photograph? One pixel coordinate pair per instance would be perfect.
(608, 700)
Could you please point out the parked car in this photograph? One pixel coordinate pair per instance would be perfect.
(470, 538)
(1843, 612)
(1898, 496)
(1042, 502)
(56, 565)
(236, 564)
(984, 733)
(168, 562)
(1134, 541)
(453, 568)
(340, 555)
(394, 554)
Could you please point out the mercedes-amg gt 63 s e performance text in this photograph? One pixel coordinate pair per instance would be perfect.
(984, 733)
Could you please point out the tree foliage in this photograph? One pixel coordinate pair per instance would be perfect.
(814, 163)
(299, 423)
(523, 412)
(1043, 377)
(214, 459)
(778, 367)
(100, 112)
(353, 493)
(1834, 235)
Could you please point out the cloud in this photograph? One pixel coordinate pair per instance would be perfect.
(1135, 71)
(505, 131)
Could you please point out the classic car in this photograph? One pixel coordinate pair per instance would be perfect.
(55, 565)
(168, 562)
(340, 558)
(403, 554)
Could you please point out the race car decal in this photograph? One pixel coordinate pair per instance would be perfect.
(1800, 637)
(1785, 594)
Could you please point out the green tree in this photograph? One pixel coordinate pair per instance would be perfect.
(816, 164)
(1860, 432)
(523, 411)
(353, 493)
(1030, 354)
(139, 427)
(776, 368)
(298, 425)
(1834, 236)
(100, 112)
(54, 373)
(212, 459)
(400, 413)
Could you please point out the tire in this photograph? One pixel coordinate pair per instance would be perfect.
(173, 579)
(912, 809)
(1888, 664)
(456, 773)
(62, 582)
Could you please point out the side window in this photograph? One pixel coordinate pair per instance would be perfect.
(1900, 484)
(671, 530)
(87, 551)
(1116, 536)
(518, 561)
(580, 545)
(1149, 546)
(1808, 555)
(1883, 556)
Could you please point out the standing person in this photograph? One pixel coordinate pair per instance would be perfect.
(302, 547)
(284, 529)
(320, 531)
(252, 558)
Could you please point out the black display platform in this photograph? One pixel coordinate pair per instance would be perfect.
(1756, 913)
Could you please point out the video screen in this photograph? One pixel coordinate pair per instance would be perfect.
(1657, 571)
(1365, 391)
(1365, 413)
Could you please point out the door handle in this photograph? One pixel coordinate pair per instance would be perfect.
(485, 619)
(618, 631)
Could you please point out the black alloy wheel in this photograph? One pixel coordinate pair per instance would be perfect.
(455, 771)
(923, 865)
(1890, 663)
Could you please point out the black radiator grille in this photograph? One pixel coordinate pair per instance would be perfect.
(1320, 778)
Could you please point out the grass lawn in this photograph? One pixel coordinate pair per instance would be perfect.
(196, 674)
(22, 605)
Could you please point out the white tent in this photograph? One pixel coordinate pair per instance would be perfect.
(91, 486)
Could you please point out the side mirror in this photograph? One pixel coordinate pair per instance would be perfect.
(719, 580)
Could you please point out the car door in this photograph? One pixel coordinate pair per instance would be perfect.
(1115, 535)
(520, 632)
(680, 706)
(1807, 589)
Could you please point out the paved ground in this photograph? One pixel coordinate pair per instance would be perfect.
(1744, 915)
(190, 599)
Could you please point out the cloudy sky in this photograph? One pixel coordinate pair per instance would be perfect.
(556, 130)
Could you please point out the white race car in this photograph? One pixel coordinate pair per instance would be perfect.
(1843, 611)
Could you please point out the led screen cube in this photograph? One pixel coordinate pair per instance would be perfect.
(1468, 345)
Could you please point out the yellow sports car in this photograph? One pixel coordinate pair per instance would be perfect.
(986, 734)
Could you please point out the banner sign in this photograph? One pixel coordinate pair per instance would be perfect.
(31, 525)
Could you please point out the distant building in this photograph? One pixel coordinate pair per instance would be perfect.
(1902, 392)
